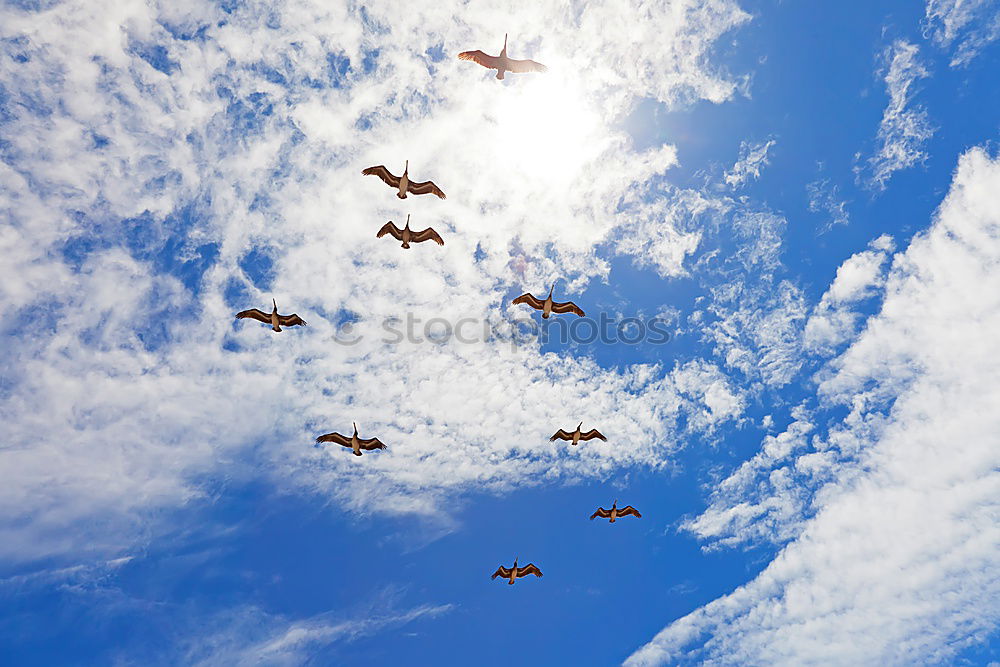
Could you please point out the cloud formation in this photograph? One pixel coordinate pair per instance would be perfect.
(892, 510)
(904, 128)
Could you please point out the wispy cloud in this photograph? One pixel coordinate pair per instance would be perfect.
(967, 25)
(753, 158)
(166, 165)
(904, 128)
(879, 569)
(824, 197)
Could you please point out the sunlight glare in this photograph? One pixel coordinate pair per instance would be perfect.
(547, 130)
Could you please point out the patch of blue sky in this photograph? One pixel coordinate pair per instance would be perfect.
(157, 55)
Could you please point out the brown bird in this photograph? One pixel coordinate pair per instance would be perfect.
(273, 318)
(516, 572)
(549, 306)
(354, 442)
(615, 513)
(407, 236)
(403, 182)
(502, 63)
(576, 436)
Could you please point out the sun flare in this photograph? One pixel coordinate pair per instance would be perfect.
(547, 129)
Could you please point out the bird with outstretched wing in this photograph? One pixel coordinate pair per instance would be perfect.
(354, 442)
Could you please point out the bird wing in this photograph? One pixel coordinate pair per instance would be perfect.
(389, 228)
(561, 435)
(382, 173)
(528, 569)
(492, 62)
(427, 235)
(628, 509)
(567, 307)
(601, 512)
(521, 66)
(253, 313)
(501, 572)
(292, 320)
(591, 434)
(530, 300)
(372, 443)
(335, 437)
(425, 188)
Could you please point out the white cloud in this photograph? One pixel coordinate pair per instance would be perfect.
(753, 158)
(834, 320)
(248, 635)
(896, 548)
(151, 147)
(904, 128)
(824, 197)
(969, 25)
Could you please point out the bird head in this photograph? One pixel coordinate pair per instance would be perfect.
(407, 220)
(552, 289)
(505, 42)
(275, 305)
(515, 561)
(579, 425)
(614, 504)
(355, 428)
(406, 167)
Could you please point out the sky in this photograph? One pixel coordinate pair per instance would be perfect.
(785, 216)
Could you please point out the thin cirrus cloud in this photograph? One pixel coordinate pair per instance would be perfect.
(177, 162)
(964, 26)
(904, 128)
(877, 570)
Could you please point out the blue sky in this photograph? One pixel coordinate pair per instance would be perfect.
(808, 197)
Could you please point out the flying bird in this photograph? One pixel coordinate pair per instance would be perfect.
(502, 63)
(615, 513)
(516, 572)
(549, 306)
(354, 442)
(407, 236)
(403, 182)
(273, 318)
(576, 436)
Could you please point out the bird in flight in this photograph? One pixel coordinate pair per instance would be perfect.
(549, 306)
(516, 572)
(407, 236)
(576, 436)
(615, 513)
(354, 442)
(403, 182)
(502, 63)
(273, 318)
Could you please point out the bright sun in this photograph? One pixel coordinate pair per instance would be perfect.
(546, 129)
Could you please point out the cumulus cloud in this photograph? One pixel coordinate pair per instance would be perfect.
(834, 320)
(166, 164)
(894, 507)
(904, 128)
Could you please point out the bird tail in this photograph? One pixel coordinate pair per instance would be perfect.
(500, 74)
(401, 196)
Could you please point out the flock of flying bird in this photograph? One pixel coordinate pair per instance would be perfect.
(404, 186)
